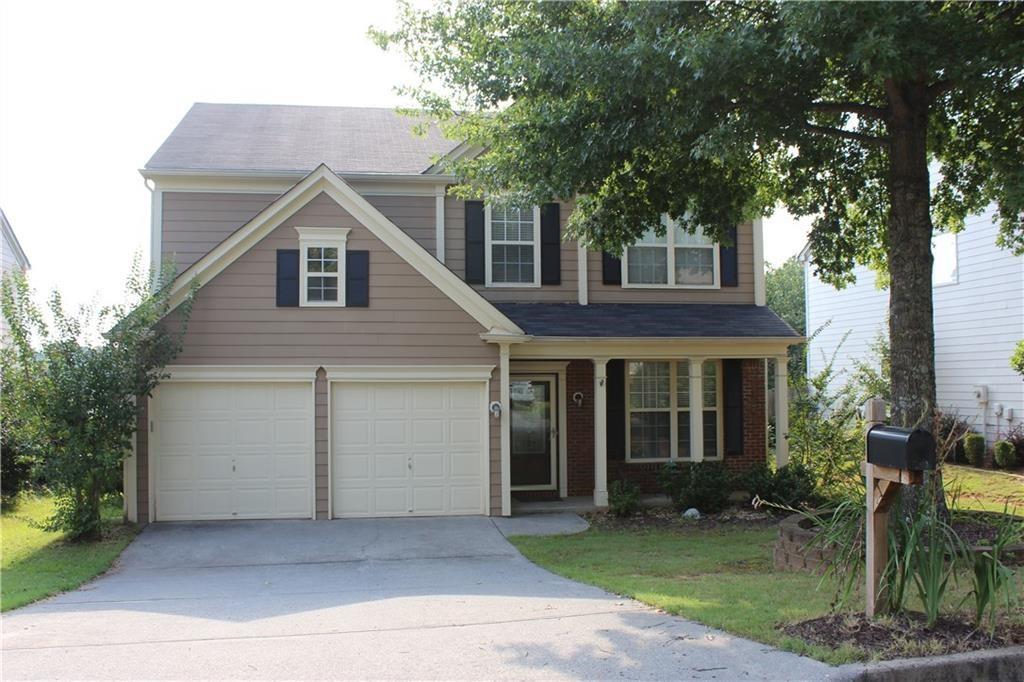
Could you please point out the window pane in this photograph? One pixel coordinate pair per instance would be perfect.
(313, 266)
(330, 266)
(649, 385)
(512, 223)
(331, 252)
(512, 264)
(710, 384)
(647, 265)
(695, 266)
(710, 433)
(650, 435)
(683, 429)
(651, 238)
(321, 289)
(314, 252)
(683, 384)
(330, 294)
(684, 238)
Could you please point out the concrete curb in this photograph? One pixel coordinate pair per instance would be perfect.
(975, 666)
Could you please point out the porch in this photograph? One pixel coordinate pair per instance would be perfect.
(581, 410)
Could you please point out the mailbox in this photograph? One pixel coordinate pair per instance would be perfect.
(892, 446)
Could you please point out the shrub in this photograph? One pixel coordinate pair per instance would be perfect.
(703, 485)
(974, 448)
(793, 485)
(949, 431)
(1005, 453)
(624, 498)
(1016, 436)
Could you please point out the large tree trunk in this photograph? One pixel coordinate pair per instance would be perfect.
(908, 250)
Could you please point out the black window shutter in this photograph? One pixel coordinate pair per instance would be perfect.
(287, 277)
(357, 279)
(732, 380)
(615, 389)
(730, 260)
(550, 244)
(611, 269)
(475, 242)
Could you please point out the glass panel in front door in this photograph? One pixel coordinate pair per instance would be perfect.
(531, 433)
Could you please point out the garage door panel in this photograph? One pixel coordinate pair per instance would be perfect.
(233, 450)
(379, 430)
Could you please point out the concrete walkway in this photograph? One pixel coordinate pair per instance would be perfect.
(361, 599)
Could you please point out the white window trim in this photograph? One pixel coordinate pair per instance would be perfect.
(674, 410)
(670, 239)
(488, 253)
(322, 237)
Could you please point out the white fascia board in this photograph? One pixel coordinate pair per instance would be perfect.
(241, 373)
(408, 373)
(323, 179)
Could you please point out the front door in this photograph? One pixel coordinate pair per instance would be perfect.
(534, 432)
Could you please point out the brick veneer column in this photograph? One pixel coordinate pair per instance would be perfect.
(579, 378)
(755, 449)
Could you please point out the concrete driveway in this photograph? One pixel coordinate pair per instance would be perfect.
(402, 598)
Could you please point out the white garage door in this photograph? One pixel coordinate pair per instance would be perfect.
(408, 449)
(232, 450)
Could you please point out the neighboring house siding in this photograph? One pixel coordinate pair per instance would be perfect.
(743, 293)
(856, 313)
(409, 321)
(978, 320)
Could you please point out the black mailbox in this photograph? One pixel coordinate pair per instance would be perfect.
(892, 446)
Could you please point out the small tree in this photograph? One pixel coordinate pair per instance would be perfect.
(1017, 359)
(78, 386)
(784, 293)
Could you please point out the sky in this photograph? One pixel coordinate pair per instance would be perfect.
(89, 90)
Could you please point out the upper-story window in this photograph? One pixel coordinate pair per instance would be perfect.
(322, 266)
(675, 259)
(513, 245)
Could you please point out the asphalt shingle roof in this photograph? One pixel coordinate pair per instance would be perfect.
(270, 137)
(634, 320)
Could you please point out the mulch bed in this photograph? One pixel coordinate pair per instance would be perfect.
(666, 518)
(903, 636)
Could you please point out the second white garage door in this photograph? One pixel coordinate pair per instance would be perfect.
(408, 449)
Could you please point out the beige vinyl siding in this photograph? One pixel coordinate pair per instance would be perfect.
(195, 222)
(455, 259)
(235, 319)
(321, 447)
(417, 216)
(744, 293)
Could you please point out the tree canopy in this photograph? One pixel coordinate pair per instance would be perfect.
(717, 112)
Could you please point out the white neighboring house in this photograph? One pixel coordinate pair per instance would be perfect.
(12, 259)
(978, 294)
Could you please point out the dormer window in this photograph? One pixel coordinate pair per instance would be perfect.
(676, 259)
(322, 266)
(512, 236)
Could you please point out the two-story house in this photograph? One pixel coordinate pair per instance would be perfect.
(364, 344)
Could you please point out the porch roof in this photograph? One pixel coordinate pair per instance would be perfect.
(655, 320)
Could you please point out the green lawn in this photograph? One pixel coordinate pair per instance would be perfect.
(983, 489)
(36, 563)
(723, 578)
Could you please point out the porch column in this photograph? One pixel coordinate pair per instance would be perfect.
(696, 409)
(600, 432)
(506, 432)
(781, 411)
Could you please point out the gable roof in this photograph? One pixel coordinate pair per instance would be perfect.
(324, 180)
(653, 320)
(11, 240)
(286, 138)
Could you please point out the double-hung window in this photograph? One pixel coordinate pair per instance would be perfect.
(513, 245)
(322, 266)
(676, 259)
(658, 405)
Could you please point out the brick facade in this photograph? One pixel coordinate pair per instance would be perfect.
(755, 444)
(579, 378)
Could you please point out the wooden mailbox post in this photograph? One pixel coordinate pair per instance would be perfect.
(894, 457)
